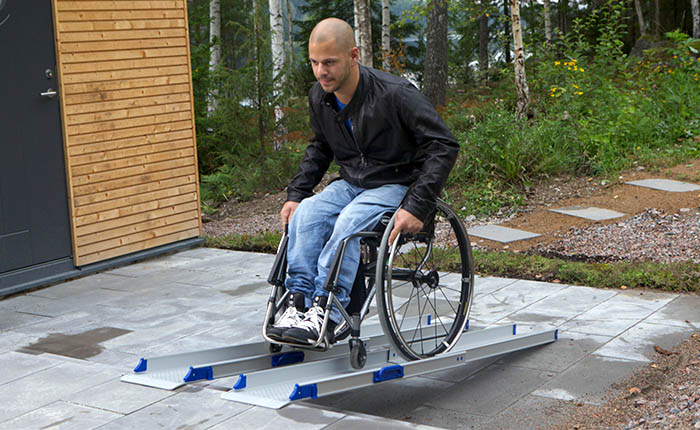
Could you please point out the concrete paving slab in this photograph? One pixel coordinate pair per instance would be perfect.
(556, 357)
(49, 385)
(458, 374)
(63, 416)
(531, 412)
(396, 399)
(490, 284)
(10, 319)
(447, 418)
(638, 342)
(493, 307)
(491, 391)
(570, 301)
(500, 234)
(227, 307)
(589, 212)
(291, 417)
(665, 185)
(589, 381)
(619, 313)
(353, 422)
(79, 286)
(683, 311)
(16, 365)
(116, 396)
(193, 408)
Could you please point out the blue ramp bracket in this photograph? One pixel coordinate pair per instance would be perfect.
(388, 373)
(287, 358)
(304, 391)
(197, 373)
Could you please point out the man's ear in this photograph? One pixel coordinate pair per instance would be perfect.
(355, 54)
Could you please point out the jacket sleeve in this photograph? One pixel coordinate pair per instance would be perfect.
(437, 148)
(317, 158)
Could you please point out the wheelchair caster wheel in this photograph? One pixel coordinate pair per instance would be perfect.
(358, 354)
(274, 348)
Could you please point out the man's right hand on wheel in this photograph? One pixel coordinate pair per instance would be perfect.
(287, 210)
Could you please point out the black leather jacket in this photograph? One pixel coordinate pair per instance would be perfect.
(399, 138)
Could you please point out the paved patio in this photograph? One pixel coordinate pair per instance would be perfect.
(64, 348)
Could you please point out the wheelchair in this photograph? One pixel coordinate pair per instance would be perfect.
(423, 284)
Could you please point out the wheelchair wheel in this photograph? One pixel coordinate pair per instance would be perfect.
(425, 285)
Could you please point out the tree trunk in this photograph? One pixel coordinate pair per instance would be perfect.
(214, 48)
(356, 18)
(290, 37)
(484, 47)
(435, 72)
(657, 19)
(521, 107)
(259, 90)
(386, 36)
(506, 30)
(696, 18)
(278, 60)
(640, 17)
(563, 25)
(547, 25)
(364, 31)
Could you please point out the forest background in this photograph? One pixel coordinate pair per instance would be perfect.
(606, 85)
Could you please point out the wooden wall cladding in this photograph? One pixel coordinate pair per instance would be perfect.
(128, 123)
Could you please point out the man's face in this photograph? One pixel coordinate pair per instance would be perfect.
(331, 64)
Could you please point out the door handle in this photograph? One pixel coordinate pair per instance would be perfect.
(48, 93)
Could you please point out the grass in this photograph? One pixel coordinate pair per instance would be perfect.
(677, 277)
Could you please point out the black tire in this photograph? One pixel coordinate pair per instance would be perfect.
(358, 354)
(425, 286)
(274, 348)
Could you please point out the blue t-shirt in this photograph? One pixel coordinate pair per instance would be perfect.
(341, 106)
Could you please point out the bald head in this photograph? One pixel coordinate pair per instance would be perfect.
(333, 30)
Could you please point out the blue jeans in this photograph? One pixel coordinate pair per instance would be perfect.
(319, 225)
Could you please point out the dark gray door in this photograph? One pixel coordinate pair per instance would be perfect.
(34, 224)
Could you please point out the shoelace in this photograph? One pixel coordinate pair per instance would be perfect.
(313, 320)
(290, 317)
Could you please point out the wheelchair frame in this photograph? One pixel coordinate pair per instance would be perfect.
(376, 241)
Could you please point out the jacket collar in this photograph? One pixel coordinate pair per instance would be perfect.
(363, 87)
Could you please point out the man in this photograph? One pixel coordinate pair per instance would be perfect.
(384, 135)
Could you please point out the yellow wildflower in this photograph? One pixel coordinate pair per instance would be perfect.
(581, 70)
(556, 63)
(575, 86)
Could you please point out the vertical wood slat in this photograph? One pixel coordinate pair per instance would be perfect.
(124, 72)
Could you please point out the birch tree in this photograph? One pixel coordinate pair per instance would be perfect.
(640, 17)
(695, 7)
(278, 75)
(435, 71)
(547, 24)
(523, 102)
(386, 35)
(363, 27)
(214, 48)
(290, 37)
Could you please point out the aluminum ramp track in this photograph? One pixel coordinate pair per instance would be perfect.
(169, 372)
(275, 388)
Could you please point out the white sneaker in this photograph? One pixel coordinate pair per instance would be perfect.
(291, 317)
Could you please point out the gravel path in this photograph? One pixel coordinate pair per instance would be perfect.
(650, 236)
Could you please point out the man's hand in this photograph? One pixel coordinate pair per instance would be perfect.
(287, 210)
(405, 222)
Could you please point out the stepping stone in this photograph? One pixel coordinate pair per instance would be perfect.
(500, 234)
(666, 185)
(589, 212)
